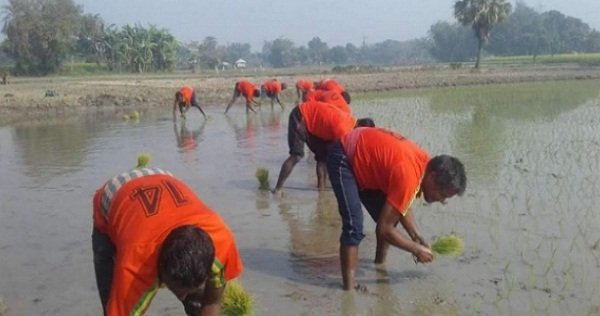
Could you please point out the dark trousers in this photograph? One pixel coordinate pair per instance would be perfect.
(349, 197)
(104, 264)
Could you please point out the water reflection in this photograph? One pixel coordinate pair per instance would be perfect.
(529, 218)
(271, 120)
(313, 239)
(187, 139)
(245, 129)
(481, 142)
(313, 234)
(48, 150)
(532, 101)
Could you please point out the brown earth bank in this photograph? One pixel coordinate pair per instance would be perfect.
(26, 99)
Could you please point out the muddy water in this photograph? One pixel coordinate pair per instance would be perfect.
(530, 218)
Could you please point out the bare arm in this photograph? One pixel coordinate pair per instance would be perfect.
(386, 229)
(211, 301)
(409, 224)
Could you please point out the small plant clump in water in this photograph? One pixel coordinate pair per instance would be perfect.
(263, 178)
(143, 160)
(236, 301)
(449, 245)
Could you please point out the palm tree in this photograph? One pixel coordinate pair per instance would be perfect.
(482, 15)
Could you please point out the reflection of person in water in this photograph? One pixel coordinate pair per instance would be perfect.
(313, 233)
(187, 139)
(245, 133)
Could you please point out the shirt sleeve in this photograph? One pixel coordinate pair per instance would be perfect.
(402, 191)
(133, 288)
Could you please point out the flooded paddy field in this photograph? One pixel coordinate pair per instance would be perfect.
(530, 217)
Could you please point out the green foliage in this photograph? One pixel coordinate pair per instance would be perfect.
(280, 52)
(139, 49)
(236, 301)
(482, 15)
(143, 160)
(83, 69)
(449, 245)
(263, 178)
(39, 33)
(452, 42)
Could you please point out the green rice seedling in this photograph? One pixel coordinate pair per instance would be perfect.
(449, 245)
(143, 160)
(236, 301)
(263, 178)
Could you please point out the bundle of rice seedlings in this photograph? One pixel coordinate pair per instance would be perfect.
(449, 245)
(236, 301)
(263, 178)
(143, 160)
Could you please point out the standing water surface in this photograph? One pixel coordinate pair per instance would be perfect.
(530, 217)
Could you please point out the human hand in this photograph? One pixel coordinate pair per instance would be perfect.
(418, 239)
(423, 254)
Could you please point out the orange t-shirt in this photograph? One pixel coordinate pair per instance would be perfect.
(329, 85)
(187, 93)
(386, 161)
(304, 85)
(325, 121)
(246, 88)
(331, 97)
(272, 87)
(137, 210)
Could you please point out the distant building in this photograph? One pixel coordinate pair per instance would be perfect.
(225, 65)
(240, 63)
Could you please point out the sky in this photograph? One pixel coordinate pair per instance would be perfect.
(334, 22)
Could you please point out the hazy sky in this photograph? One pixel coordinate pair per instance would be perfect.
(335, 22)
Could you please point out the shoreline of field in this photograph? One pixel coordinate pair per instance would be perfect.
(25, 99)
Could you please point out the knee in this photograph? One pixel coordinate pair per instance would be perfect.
(351, 237)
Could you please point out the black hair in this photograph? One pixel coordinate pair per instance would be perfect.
(346, 96)
(449, 171)
(186, 257)
(178, 96)
(365, 122)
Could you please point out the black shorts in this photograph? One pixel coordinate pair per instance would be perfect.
(318, 147)
(297, 133)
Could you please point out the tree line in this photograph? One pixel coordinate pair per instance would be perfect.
(500, 31)
(42, 35)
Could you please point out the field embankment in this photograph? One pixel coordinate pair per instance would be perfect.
(38, 98)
